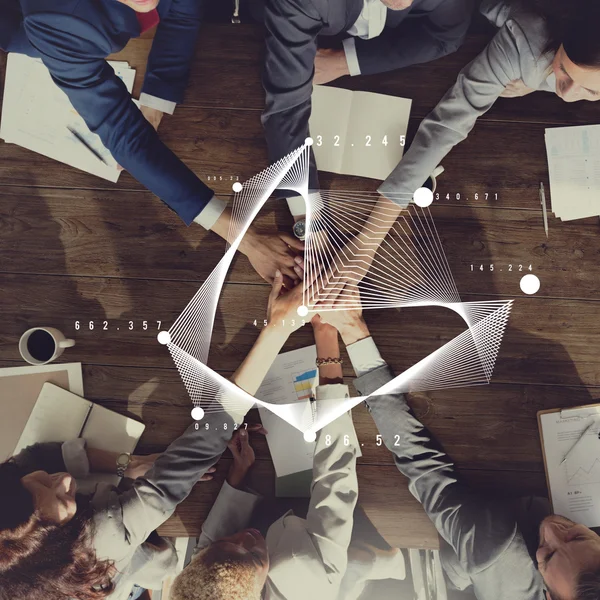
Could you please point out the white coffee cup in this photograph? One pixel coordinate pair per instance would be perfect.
(56, 338)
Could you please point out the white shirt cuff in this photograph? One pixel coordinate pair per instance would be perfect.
(351, 56)
(296, 205)
(210, 214)
(364, 356)
(166, 106)
(230, 513)
(332, 391)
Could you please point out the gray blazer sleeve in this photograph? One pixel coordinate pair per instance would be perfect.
(478, 86)
(416, 40)
(478, 530)
(55, 457)
(291, 46)
(152, 499)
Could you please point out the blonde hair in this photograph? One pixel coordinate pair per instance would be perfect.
(215, 574)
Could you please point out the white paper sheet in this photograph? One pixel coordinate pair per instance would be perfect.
(574, 168)
(20, 388)
(575, 482)
(37, 115)
(291, 378)
(358, 133)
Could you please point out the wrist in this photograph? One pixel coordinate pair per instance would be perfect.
(236, 478)
(248, 241)
(355, 332)
(275, 335)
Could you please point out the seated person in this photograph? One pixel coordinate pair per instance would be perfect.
(384, 35)
(56, 545)
(300, 558)
(73, 39)
(502, 551)
(549, 46)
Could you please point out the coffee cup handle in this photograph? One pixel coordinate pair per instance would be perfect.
(66, 343)
(438, 171)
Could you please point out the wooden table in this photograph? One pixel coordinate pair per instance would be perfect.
(78, 249)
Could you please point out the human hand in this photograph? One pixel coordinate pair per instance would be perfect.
(515, 89)
(282, 309)
(348, 321)
(269, 253)
(243, 454)
(152, 115)
(330, 65)
(349, 266)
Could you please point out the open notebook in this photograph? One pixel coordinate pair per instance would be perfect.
(358, 133)
(59, 415)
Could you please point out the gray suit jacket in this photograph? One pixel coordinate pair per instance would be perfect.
(425, 31)
(515, 53)
(124, 520)
(483, 542)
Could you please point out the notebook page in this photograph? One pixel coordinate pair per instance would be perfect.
(574, 169)
(574, 483)
(377, 122)
(20, 388)
(57, 416)
(329, 126)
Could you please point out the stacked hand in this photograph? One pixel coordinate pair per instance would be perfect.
(243, 455)
(270, 253)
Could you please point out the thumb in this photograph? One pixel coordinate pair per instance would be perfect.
(277, 284)
(233, 446)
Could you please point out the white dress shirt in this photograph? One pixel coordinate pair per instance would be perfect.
(370, 24)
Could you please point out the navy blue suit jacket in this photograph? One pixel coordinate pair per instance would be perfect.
(73, 39)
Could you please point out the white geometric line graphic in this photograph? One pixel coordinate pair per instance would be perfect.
(343, 246)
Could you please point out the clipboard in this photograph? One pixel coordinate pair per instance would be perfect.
(581, 412)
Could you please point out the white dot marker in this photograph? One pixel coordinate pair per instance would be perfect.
(237, 187)
(529, 283)
(164, 337)
(310, 436)
(302, 311)
(309, 141)
(197, 413)
(423, 197)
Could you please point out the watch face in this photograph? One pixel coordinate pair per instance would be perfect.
(123, 460)
(300, 229)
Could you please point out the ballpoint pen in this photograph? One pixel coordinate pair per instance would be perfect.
(544, 209)
(81, 139)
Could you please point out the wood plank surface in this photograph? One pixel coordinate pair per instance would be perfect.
(130, 235)
(229, 145)
(547, 341)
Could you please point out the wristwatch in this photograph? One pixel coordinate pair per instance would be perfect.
(123, 461)
(300, 229)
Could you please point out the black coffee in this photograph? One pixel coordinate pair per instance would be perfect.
(41, 345)
(428, 184)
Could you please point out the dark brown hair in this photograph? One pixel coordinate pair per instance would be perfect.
(40, 560)
(574, 24)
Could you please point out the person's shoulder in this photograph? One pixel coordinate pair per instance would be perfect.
(70, 28)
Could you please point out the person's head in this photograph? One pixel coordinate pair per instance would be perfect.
(45, 541)
(141, 6)
(569, 559)
(398, 4)
(232, 567)
(574, 39)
